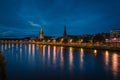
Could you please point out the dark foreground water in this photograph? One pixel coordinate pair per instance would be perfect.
(37, 62)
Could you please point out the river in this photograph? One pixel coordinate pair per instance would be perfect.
(41, 62)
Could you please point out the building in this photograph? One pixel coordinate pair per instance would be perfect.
(41, 36)
(115, 34)
(65, 33)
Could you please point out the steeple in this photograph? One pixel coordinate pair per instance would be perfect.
(41, 36)
(65, 32)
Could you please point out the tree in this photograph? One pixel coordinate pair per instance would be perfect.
(98, 38)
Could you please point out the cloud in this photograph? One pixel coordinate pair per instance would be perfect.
(34, 24)
(5, 33)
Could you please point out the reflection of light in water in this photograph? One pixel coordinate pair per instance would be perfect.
(33, 51)
(61, 55)
(115, 64)
(12, 45)
(71, 57)
(2, 47)
(25, 48)
(81, 57)
(106, 58)
(12, 49)
(48, 53)
(95, 52)
(20, 45)
(17, 46)
(9, 45)
(20, 53)
(54, 54)
(5, 46)
(20, 50)
(44, 51)
(29, 49)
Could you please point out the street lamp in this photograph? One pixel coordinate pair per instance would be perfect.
(61, 40)
(70, 41)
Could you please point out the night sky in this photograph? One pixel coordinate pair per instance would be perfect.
(21, 18)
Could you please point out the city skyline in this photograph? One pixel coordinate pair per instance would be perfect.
(24, 18)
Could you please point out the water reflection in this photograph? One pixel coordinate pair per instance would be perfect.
(106, 59)
(54, 54)
(81, 57)
(33, 51)
(71, 57)
(2, 47)
(48, 54)
(44, 51)
(61, 56)
(25, 48)
(115, 64)
(20, 52)
(12, 45)
(95, 52)
(29, 51)
(9, 45)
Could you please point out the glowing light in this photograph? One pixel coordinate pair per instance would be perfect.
(115, 64)
(61, 40)
(95, 52)
(70, 40)
(48, 41)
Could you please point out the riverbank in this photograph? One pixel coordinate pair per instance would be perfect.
(87, 47)
(70, 45)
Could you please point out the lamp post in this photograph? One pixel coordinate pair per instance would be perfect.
(70, 41)
(61, 40)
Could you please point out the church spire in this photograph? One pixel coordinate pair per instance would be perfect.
(65, 32)
(41, 36)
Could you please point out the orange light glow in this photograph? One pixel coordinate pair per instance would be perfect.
(95, 52)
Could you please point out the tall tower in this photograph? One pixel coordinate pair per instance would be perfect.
(65, 32)
(41, 36)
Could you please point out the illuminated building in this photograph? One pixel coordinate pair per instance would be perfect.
(41, 36)
(115, 34)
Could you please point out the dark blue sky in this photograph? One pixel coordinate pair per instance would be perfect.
(19, 18)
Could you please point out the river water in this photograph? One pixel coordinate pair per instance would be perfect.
(41, 62)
